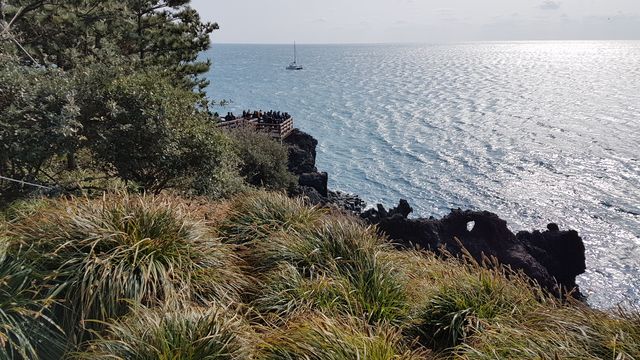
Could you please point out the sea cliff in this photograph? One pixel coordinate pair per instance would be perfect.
(553, 258)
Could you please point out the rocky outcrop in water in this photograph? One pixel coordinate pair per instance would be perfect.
(302, 152)
(562, 253)
(316, 180)
(553, 258)
(313, 184)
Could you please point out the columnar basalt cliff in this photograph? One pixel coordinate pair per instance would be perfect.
(553, 258)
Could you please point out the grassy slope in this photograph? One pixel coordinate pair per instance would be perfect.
(267, 277)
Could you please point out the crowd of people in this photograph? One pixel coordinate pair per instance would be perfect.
(268, 117)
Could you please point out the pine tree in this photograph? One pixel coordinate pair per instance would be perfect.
(67, 34)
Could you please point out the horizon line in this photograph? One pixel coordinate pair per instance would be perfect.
(213, 43)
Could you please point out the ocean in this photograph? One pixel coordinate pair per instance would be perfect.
(536, 132)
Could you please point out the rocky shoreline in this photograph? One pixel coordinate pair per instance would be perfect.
(553, 257)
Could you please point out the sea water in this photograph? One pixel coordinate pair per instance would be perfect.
(536, 132)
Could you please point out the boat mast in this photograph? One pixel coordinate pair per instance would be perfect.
(295, 59)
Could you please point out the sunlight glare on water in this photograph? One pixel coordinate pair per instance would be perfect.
(536, 132)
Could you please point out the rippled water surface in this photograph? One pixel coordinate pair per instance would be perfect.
(535, 132)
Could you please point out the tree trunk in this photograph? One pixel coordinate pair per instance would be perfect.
(3, 17)
(72, 163)
(140, 40)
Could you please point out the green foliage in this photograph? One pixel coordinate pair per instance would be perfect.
(467, 306)
(337, 244)
(177, 334)
(317, 261)
(149, 33)
(559, 332)
(20, 209)
(138, 127)
(113, 80)
(149, 278)
(169, 34)
(286, 292)
(38, 119)
(153, 134)
(254, 217)
(108, 253)
(347, 253)
(317, 337)
(264, 160)
(26, 330)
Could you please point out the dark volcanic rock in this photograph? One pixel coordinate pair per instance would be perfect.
(551, 258)
(347, 202)
(312, 195)
(562, 253)
(302, 152)
(316, 180)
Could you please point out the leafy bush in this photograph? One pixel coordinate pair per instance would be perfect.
(134, 125)
(264, 160)
(154, 134)
(186, 334)
(317, 337)
(107, 253)
(38, 119)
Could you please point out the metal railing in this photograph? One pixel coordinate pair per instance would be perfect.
(276, 131)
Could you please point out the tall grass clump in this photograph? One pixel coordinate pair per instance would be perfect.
(286, 292)
(255, 216)
(318, 337)
(333, 242)
(340, 254)
(21, 208)
(26, 328)
(214, 333)
(468, 300)
(559, 332)
(105, 254)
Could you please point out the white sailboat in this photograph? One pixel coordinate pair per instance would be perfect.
(294, 65)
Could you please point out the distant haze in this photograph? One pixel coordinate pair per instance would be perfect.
(384, 21)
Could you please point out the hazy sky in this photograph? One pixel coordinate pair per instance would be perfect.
(378, 21)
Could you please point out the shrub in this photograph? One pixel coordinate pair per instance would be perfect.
(107, 253)
(37, 121)
(26, 329)
(154, 133)
(471, 301)
(254, 217)
(344, 251)
(317, 337)
(264, 160)
(186, 334)
(559, 332)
